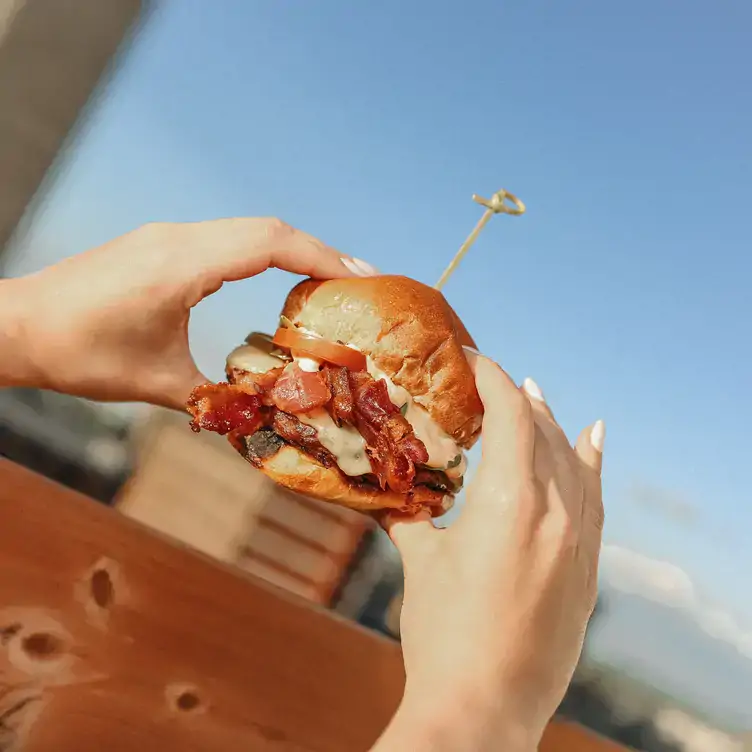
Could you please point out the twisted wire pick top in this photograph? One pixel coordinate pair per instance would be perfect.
(502, 202)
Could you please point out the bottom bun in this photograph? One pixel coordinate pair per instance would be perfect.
(297, 471)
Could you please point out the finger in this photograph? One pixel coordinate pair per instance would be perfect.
(411, 534)
(589, 446)
(508, 432)
(589, 449)
(174, 390)
(543, 413)
(240, 248)
(562, 465)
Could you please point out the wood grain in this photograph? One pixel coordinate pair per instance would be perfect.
(563, 736)
(115, 638)
(112, 637)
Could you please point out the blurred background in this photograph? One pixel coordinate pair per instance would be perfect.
(623, 291)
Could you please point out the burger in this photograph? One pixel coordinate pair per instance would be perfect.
(363, 397)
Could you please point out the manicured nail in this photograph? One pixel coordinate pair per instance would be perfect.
(533, 390)
(367, 268)
(356, 266)
(598, 435)
(350, 265)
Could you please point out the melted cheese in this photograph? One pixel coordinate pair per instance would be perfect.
(442, 449)
(254, 357)
(344, 442)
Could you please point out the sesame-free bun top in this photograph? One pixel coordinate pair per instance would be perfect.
(410, 333)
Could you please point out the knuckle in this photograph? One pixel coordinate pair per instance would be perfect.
(591, 596)
(529, 492)
(152, 230)
(597, 514)
(521, 405)
(277, 229)
(562, 532)
(520, 413)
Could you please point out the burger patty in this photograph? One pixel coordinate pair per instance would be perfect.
(261, 445)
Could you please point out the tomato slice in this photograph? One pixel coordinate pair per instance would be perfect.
(320, 349)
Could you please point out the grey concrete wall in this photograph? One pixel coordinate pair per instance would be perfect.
(53, 54)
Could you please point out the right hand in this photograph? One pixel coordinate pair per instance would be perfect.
(496, 606)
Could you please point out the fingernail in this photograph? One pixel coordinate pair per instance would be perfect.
(598, 435)
(472, 355)
(350, 265)
(533, 390)
(367, 268)
(361, 268)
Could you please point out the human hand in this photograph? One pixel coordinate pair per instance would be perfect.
(496, 606)
(112, 323)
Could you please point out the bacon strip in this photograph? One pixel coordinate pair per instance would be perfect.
(299, 391)
(257, 400)
(301, 435)
(223, 408)
(392, 445)
(255, 383)
(341, 406)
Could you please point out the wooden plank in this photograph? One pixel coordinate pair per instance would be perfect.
(563, 736)
(114, 637)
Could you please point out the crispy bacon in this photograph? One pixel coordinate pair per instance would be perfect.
(341, 406)
(301, 435)
(223, 408)
(271, 400)
(255, 383)
(424, 496)
(392, 445)
(299, 391)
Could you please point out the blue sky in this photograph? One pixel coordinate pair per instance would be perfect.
(624, 127)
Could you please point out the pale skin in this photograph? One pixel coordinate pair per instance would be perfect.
(495, 606)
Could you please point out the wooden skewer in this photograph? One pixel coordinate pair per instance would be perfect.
(495, 205)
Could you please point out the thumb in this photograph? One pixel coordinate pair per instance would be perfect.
(412, 535)
(176, 389)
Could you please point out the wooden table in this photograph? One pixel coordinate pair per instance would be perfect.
(115, 638)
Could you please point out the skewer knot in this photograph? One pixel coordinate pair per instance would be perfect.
(497, 203)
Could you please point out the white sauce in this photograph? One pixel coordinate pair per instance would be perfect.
(442, 449)
(344, 442)
(311, 365)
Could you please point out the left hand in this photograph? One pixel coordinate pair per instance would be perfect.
(111, 324)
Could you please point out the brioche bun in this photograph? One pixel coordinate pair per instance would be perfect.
(409, 331)
(299, 472)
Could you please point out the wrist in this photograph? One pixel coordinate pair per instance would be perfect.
(16, 362)
(466, 722)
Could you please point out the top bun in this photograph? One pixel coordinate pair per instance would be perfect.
(409, 331)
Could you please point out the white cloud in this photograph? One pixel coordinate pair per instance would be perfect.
(669, 585)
